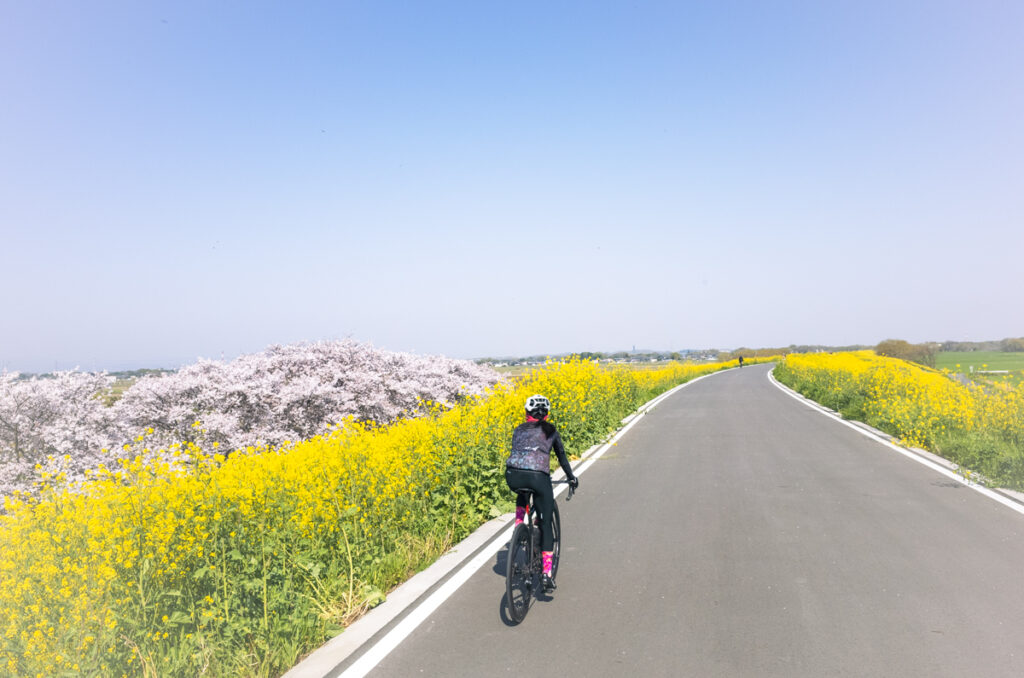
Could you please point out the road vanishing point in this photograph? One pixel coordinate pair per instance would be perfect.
(734, 531)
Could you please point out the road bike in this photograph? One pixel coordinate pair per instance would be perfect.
(525, 564)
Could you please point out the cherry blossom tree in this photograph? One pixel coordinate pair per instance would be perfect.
(289, 392)
(58, 415)
(295, 392)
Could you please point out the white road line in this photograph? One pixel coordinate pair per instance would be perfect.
(1009, 503)
(401, 631)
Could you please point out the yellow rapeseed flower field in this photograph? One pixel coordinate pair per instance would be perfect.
(185, 560)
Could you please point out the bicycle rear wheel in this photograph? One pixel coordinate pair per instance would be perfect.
(518, 577)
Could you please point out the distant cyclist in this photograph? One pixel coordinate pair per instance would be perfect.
(741, 361)
(529, 467)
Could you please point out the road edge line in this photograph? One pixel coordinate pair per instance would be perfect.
(878, 436)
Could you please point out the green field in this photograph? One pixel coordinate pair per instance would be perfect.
(982, 362)
(514, 370)
(116, 390)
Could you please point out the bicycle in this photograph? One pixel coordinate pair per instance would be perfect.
(525, 565)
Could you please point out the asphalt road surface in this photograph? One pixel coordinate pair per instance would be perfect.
(736, 532)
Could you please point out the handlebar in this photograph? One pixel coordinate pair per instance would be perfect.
(572, 490)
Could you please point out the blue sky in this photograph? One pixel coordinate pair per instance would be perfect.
(185, 179)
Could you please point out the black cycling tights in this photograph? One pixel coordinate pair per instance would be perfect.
(543, 497)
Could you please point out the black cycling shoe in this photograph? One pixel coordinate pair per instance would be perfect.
(549, 583)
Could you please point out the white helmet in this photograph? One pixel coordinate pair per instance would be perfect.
(537, 406)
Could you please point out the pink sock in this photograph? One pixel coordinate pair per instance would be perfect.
(548, 556)
(520, 514)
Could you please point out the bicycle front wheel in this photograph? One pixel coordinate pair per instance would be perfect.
(518, 577)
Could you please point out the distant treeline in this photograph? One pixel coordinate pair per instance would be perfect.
(123, 375)
(1011, 345)
(792, 348)
(639, 356)
(138, 374)
(711, 354)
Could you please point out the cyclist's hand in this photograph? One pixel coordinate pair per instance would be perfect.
(574, 482)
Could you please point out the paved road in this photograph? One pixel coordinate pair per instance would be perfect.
(736, 532)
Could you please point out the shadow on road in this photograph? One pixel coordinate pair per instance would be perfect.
(501, 562)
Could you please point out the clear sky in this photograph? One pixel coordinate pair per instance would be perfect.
(184, 179)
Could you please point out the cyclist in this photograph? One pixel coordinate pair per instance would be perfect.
(529, 467)
(741, 361)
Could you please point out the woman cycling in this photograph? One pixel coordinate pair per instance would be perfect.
(529, 467)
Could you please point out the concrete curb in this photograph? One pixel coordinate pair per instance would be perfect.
(333, 658)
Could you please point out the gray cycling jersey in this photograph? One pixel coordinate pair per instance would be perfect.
(532, 443)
